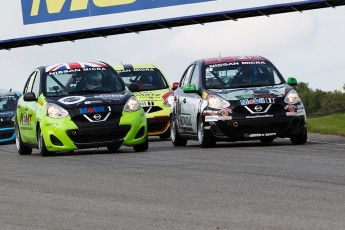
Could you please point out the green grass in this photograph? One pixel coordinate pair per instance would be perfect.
(333, 124)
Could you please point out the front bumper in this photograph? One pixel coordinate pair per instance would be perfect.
(64, 135)
(256, 129)
(158, 120)
(7, 134)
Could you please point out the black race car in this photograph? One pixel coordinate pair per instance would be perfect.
(8, 106)
(236, 99)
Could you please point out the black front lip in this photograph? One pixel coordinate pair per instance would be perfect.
(239, 129)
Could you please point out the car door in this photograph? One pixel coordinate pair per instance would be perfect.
(186, 101)
(27, 110)
(194, 100)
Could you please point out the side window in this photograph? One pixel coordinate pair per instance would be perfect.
(195, 77)
(29, 83)
(36, 84)
(186, 76)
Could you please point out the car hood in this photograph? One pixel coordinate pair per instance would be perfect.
(252, 92)
(154, 95)
(119, 98)
(7, 115)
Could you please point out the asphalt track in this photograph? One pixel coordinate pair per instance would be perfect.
(232, 186)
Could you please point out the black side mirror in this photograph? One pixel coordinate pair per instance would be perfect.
(133, 87)
(30, 97)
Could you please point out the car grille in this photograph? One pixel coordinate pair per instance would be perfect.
(5, 134)
(98, 134)
(6, 124)
(274, 108)
(152, 109)
(157, 124)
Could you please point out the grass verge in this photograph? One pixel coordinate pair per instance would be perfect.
(333, 124)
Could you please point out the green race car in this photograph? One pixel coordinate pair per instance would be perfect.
(153, 91)
(70, 106)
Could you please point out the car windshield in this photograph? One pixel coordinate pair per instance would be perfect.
(147, 79)
(240, 75)
(76, 81)
(8, 103)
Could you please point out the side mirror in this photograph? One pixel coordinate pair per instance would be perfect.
(175, 85)
(30, 97)
(190, 88)
(133, 87)
(292, 81)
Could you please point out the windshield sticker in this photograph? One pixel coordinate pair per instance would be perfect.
(72, 100)
(75, 66)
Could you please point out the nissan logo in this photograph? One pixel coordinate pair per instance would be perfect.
(258, 108)
(97, 116)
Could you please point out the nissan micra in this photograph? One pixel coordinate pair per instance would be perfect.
(71, 106)
(236, 99)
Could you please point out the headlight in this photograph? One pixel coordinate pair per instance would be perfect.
(292, 97)
(217, 102)
(132, 105)
(169, 100)
(13, 118)
(55, 111)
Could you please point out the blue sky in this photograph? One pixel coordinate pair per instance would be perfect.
(308, 46)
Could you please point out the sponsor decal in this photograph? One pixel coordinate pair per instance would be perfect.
(290, 108)
(204, 95)
(92, 102)
(256, 101)
(186, 120)
(38, 11)
(146, 103)
(71, 100)
(25, 119)
(296, 113)
(224, 118)
(110, 96)
(52, 124)
(95, 109)
(260, 135)
(211, 118)
(259, 116)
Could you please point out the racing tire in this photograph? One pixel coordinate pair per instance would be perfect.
(113, 148)
(300, 138)
(205, 138)
(267, 140)
(142, 147)
(176, 139)
(22, 149)
(165, 135)
(41, 144)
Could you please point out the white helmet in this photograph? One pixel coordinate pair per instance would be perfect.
(93, 79)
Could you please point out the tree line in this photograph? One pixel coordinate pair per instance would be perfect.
(319, 103)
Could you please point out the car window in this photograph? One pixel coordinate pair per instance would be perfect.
(36, 84)
(195, 76)
(30, 82)
(146, 78)
(8, 102)
(186, 76)
(238, 74)
(76, 81)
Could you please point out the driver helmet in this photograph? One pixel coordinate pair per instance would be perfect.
(93, 80)
(249, 74)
